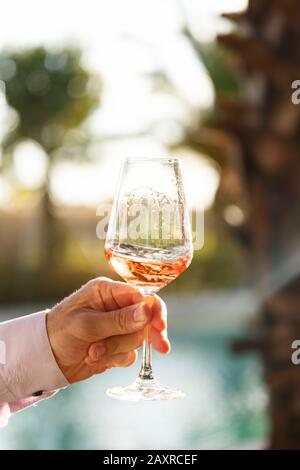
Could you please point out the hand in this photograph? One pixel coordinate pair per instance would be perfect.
(101, 326)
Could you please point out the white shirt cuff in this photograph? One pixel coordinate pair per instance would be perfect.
(27, 363)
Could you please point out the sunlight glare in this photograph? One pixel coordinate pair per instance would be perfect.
(201, 178)
(30, 164)
(89, 184)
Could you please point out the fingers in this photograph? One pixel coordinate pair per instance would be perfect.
(122, 359)
(122, 330)
(104, 294)
(116, 345)
(115, 295)
(127, 343)
(117, 360)
(159, 341)
(101, 294)
(93, 326)
(159, 312)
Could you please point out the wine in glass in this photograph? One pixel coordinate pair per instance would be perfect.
(149, 244)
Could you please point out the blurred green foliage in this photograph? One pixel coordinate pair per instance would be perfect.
(53, 94)
(217, 62)
(50, 90)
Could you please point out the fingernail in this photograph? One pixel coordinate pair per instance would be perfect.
(100, 350)
(140, 313)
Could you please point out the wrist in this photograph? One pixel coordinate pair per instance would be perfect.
(60, 343)
(53, 328)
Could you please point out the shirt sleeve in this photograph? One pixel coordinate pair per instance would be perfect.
(7, 409)
(27, 364)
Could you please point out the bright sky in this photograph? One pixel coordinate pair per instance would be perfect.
(123, 40)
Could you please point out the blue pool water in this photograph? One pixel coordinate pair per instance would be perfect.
(225, 406)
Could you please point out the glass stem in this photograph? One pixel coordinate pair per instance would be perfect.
(146, 372)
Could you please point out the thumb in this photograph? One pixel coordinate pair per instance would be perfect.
(122, 321)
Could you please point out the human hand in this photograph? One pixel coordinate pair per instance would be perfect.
(101, 326)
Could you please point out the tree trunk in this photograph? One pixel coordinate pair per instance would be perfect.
(266, 52)
(53, 235)
(264, 127)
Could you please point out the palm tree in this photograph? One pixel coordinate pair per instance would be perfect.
(255, 137)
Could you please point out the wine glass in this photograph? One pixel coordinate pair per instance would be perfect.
(149, 244)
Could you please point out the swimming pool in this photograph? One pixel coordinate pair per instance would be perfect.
(225, 405)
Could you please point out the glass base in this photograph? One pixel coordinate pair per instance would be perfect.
(144, 390)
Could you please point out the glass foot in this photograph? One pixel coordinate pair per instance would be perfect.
(144, 390)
